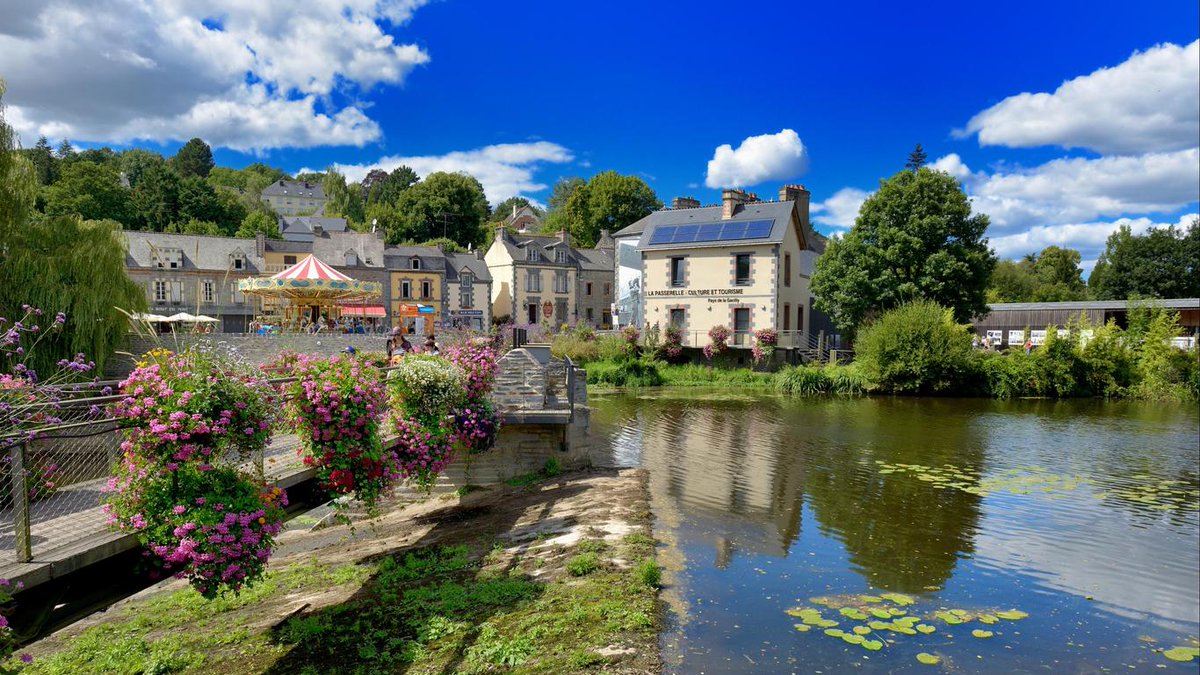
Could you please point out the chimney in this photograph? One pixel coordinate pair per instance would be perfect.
(685, 203)
(798, 194)
(317, 230)
(514, 215)
(564, 237)
(730, 201)
(606, 240)
(479, 254)
(260, 244)
(502, 233)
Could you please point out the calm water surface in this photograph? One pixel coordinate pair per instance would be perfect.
(1083, 514)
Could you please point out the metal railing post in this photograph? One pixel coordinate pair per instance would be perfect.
(19, 486)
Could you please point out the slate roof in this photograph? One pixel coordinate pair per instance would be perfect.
(300, 228)
(285, 246)
(517, 243)
(1076, 306)
(457, 261)
(592, 259)
(779, 212)
(200, 252)
(399, 257)
(294, 188)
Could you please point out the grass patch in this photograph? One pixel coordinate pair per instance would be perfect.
(649, 573)
(583, 564)
(550, 469)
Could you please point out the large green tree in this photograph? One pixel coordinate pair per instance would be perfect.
(609, 201)
(1052, 275)
(344, 201)
(60, 264)
(135, 162)
(387, 189)
(44, 163)
(258, 221)
(155, 197)
(89, 190)
(450, 205)
(914, 238)
(1161, 263)
(193, 159)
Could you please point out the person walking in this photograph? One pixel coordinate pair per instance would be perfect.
(1028, 346)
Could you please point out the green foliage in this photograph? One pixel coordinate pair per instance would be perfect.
(914, 238)
(1053, 275)
(698, 375)
(649, 573)
(88, 190)
(345, 201)
(626, 373)
(194, 226)
(583, 564)
(155, 197)
(1108, 365)
(551, 468)
(505, 208)
(915, 348)
(803, 381)
(256, 222)
(607, 201)
(1161, 263)
(1164, 372)
(443, 204)
(386, 189)
(194, 159)
(847, 380)
(45, 165)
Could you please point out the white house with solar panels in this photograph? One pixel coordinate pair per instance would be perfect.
(744, 264)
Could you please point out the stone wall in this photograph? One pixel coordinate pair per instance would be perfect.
(256, 349)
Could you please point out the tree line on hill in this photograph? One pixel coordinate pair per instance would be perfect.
(916, 238)
(188, 193)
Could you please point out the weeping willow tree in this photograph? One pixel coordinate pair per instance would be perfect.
(61, 264)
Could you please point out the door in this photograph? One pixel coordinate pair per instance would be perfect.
(533, 313)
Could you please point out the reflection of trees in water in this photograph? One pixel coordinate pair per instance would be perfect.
(903, 533)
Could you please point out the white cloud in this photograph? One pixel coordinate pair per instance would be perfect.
(1073, 190)
(244, 75)
(505, 170)
(759, 158)
(1147, 103)
(840, 209)
(953, 165)
(1087, 238)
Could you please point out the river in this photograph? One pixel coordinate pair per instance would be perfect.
(1084, 515)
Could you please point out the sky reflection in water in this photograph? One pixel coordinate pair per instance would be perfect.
(764, 503)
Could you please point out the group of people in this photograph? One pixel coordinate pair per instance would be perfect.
(988, 344)
(398, 345)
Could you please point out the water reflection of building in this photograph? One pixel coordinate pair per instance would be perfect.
(746, 496)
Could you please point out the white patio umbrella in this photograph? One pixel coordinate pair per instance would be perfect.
(204, 318)
(182, 317)
(150, 318)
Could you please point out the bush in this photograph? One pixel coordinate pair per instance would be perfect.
(803, 381)
(574, 347)
(1107, 363)
(694, 374)
(583, 564)
(649, 573)
(629, 373)
(916, 348)
(1164, 372)
(426, 386)
(847, 380)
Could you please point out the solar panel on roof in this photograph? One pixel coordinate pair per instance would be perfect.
(707, 232)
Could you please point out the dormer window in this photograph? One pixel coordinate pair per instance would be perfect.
(560, 256)
(351, 258)
(169, 258)
(237, 261)
(531, 254)
(415, 264)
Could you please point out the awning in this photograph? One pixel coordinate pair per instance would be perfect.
(376, 311)
(415, 309)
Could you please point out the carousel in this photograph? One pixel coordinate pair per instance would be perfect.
(309, 296)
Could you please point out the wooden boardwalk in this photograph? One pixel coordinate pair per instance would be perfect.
(68, 532)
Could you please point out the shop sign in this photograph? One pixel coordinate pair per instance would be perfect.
(547, 309)
(466, 312)
(695, 293)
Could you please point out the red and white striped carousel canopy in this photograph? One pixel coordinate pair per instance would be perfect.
(311, 268)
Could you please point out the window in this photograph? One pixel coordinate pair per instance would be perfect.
(160, 291)
(560, 256)
(591, 315)
(415, 263)
(171, 258)
(741, 269)
(426, 290)
(607, 289)
(237, 261)
(406, 289)
(678, 317)
(239, 297)
(351, 258)
(209, 292)
(800, 318)
(787, 269)
(289, 260)
(531, 253)
(589, 288)
(176, 292)
(787, 317)
(466, 279)
(677, 277)
(560, 281)
(533, 281)
(741, 325)
(466, 297)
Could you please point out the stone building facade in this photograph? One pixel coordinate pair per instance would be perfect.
(295, 198)
(539, 278)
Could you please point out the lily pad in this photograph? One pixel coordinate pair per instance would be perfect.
(802, 627)
(826, 623)
(870, 598)
(834, 632)
(879, 625)
(819, 601)
(960, 613)
(873, 645)
(925, 628)
(852, 638)
(898, 598)
(853, 613)
(928, 659)
(1183, 654)
(988, 619)
(948, 618)
(861, 630)
(982, 634)
(1012, 615)
(896, 612)
(881, 614)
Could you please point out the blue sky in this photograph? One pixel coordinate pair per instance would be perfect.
(521, 94)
